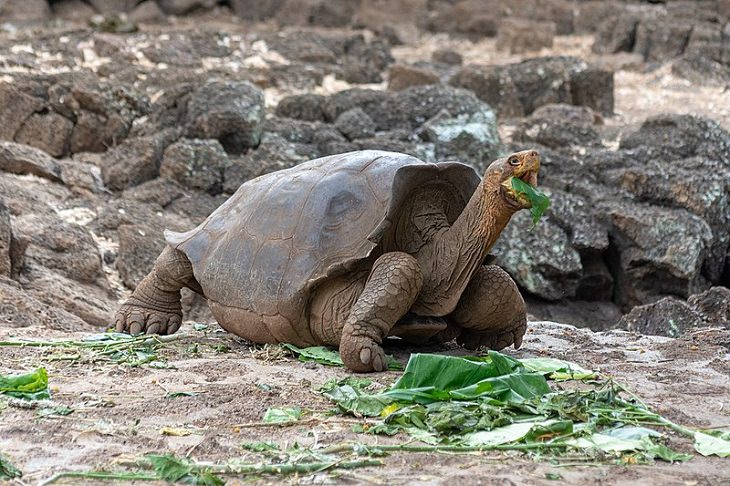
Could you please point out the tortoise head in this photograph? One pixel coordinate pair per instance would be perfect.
(524, 165)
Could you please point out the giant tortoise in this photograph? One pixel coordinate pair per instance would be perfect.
(346, 250)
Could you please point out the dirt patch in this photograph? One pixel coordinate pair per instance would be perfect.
(120, 411)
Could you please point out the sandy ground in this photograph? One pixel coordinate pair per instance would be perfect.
(120, 411)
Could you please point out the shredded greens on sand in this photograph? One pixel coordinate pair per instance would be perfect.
(179, 470)
(329, 357)
(539, 201)
(500, 403)
(29, 386)
(115, 347)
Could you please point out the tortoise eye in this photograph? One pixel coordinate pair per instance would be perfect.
(514, 161)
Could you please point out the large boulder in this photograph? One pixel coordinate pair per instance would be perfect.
(698, 184)
(181, 7)
(667, 317)
(516, 90)
(139, 246)
(616, 33)
(674, 137)
(50, 132)
(20, 309)
(518, 36)
(103, 111)
(67, 248)
(661, 39)
(355, 123)
(88, 302)
(309, 107)
(196, 164)
(22, 159)
(24, 12)
(576, 216)
(230, 111)
(685, 163)
(135, 160)
(15, 108)
(656, 252)
(559, 126)
(401, 76)
(471, 138)
(542, 261)
(418, 104)
(113, 6)
(713, 305)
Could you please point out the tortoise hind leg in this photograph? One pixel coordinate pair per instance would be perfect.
(390, 291)
(154, 307)
(491, 311)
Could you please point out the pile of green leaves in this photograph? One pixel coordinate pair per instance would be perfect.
(538, 200)
(500, 403)
(29, 386)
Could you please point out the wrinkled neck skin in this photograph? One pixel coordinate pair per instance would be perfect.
(451, 258)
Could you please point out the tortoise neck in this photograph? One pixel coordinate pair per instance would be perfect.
(451, 258)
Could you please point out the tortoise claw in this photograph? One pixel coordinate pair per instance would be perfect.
(135, 319)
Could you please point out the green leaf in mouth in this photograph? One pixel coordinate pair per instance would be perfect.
(539, 201)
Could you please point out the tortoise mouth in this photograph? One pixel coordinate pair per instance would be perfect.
(515, 199)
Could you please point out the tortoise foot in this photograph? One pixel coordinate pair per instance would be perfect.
(494, 340)
(362, 355)
(136, 318)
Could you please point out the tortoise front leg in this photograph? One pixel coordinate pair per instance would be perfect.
(154, 307)
(390, 291)
(491, 311)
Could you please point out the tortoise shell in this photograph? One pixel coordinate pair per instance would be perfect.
(279, 235)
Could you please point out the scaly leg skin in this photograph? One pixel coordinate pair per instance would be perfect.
(154, 307)
(390, 291)
(491, 311)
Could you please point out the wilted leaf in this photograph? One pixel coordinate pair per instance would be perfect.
(176, 431)
(709, 445)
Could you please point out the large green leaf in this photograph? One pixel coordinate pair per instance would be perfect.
(30, 386)
(431, 378)
(539, 201)
(451, 372)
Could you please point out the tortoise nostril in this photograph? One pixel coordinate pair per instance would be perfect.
(532, 153)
